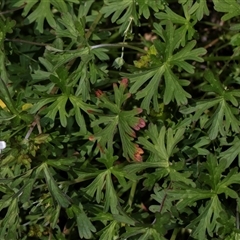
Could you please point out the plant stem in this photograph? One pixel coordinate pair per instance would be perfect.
(87, 36)
(227, 62)
(125, 45)
(132, 193)
(174, 234)
(12, 10)
(34, 123)
(93, 26)
(237, 217)
(25, 41)
(221, 58)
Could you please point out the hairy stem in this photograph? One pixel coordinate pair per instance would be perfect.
(120, 45)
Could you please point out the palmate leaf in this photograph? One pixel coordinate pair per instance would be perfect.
(188, 197)
(158, 196)
(10, 223)
(231, 8)
(62, 199)
(207, 221)
(58, 105)
(186, 31)
(145, 5)
(85, 227)
(74, 28)
(110, 231)
(146, 83)
(42, 11)
(96, 187)
(215, 170)
(182, 177)
(60, 57)
(142, 233)
(232, 153)
(123, 12)
(80, 106)
(198, 8)
(125, 122)
(161, 143)
(224, 108)
(215, 177)
(87, 72)
(110, 198)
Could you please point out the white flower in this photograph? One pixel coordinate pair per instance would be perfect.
(2, 145)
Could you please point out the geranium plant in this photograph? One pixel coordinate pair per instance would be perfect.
(119, 119)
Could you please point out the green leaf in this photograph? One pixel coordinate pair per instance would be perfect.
(161, 143)
(57, 106)
(206, 221)
(159, 195)
(108, 159)
(229, 7)
(231, 178)
(121, 12)
(6, 97)
(166, 59)
(80, 106)
(189, 196)
(110, 231)
(6, 26)
(174, 89)
(146, 233)
(200, 8)
(222, 117)
(27, 190)
(9, 224)
(230, 154)
(137, 167)
(215, 170)
(186, 31)
(61, 198)
(71, 27)
(124, 219)
(145, 5)
(125, 121)
(63, 164)
(111, 198)
(181, 177)
(41, 12)
(96, 187)
(85, 227)
(103, 183)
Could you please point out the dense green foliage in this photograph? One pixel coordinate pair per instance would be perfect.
(121, 119)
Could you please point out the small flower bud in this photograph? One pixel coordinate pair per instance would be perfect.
(124, 82)
(98, 93)
(91, 138)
